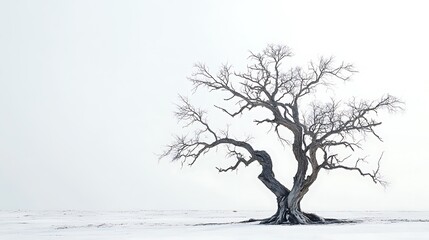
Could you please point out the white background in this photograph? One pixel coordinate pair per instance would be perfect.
(87, 94)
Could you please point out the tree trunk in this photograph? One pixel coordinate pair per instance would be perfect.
(288, 202)
(296, 216)
(267, 175)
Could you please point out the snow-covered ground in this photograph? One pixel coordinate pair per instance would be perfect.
(36, 225)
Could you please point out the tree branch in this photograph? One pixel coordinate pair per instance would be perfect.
(186, 148)
(374, 175)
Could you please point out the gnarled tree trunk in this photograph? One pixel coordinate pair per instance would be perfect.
(288, 202)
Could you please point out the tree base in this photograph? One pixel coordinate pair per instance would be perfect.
(270, 221)
(301, 218)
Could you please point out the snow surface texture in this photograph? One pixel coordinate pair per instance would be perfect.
(36, 225)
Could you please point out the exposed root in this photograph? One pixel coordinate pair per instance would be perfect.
(298, 218)
(288, 220)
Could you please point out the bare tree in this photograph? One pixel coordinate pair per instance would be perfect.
(319, 132)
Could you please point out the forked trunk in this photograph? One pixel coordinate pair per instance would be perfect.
(288, 202)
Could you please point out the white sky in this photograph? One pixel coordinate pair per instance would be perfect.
(87, 93)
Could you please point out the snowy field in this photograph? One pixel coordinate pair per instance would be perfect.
(36, 225)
